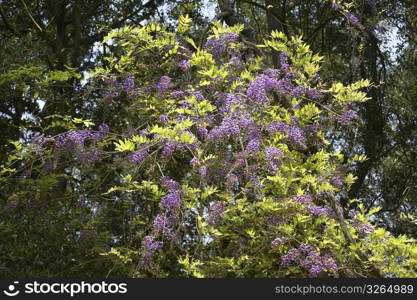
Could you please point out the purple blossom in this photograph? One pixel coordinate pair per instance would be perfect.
(177, 94)
(305, 199)
(103, 130)
(299, 91)
(235, 61)
(257, 91)
(194, 161)
(310, 259)
(184, 65)
(169, 148)
(198, 96)
(38, 141)
(215, 212)
(228, 101)
(110, 94)
(227, 128)
(203, 172)
(162, 224)
(150, 244)
(171, 201)
(139, 155)
(253, 146)
(296, 136)
(277, 242)
(274, 73)
(337, 180)
(353, 18)
(202, 132)
(347, 117)
(73, 141)
(129, 83)
(232, 181)
(314, 94)
(272, 153)
(284, 65)
(272, 156)
(318, 211)
(78, 136)
(170, 184)
(316, 269)
(278, 127)
(284, 86)
(361, 227)
(163, 118)
(219, 45)
(245, 121)
(163, 84)
(291, 256)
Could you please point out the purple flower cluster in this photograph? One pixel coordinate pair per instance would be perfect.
(232, 181)
(257, 90)
(163, 118)
(163, 84)
(172, 200)
(361, 227)
(199, 96)
(73, 137)
(73, 142)
(112, 90)
(139, 155)
(354, 19)
(229, 127)
(283, 61)
(129, 83)
(228, 101)
(162, 225)
(110, 94)
(347, 117)
(311, 260)
(337, 180)
(307, 201)
(215, 212)
(184, 65)
(235, 61)
(38, 142)
(218, 46)
(296, 137)
(103, 131)
(149, 245)
(314, 94)
(253, 146)
(272, 156)
(177, 94)
(170, 184)
(319, 211)
(277, 242)
(170, 146)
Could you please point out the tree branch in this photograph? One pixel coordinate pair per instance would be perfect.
(348, 236)
(31, 17)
